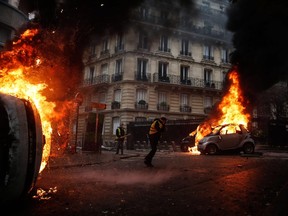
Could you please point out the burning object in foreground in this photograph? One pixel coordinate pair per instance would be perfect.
(21, 146)
(227, 137)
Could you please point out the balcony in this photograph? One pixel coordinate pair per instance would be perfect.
(185, 53)
(164, 49)
(188, 81)
(101, 79)
(207, 110)
(163, 106)
(164, 79)
(104, 52)
(115, 105)
(117, 77)
(119, 48)
(141, 105)
(142, 77)
(185, 108)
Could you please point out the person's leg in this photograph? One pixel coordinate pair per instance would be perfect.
(150, 155)
(118, 146)
(121, 147)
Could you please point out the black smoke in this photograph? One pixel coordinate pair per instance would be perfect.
(260, 41)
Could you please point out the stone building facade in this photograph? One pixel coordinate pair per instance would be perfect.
(11, 19)
(162, 64)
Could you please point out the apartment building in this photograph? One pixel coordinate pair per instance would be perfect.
(164, 63)
(11, 19)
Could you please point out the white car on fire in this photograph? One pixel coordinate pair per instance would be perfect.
(227, 137)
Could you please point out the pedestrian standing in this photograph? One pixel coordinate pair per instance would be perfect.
(156, 129)
(120, 133)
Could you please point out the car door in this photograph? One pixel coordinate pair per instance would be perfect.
(229, 137)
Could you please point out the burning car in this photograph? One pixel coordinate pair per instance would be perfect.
(187, 142)
(21, 145)
(227, 137)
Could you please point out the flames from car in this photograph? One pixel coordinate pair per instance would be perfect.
(23, 75)
(231, 109)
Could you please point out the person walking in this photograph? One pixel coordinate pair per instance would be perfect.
(156, 129)
(120, 133)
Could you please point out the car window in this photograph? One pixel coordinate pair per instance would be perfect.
(230, 129)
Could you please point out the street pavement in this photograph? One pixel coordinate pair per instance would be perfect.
(81, 158)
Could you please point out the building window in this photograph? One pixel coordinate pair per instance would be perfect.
(207, 77)
(102, 98)
(208, 102)
(224, 56)
(208, 53)
(141, 95)
(91, 74)
(116, 123)
(142, 69)
(143, 13)
(185, 21)
(141, 99)
(116, 103)
(184, 103)
(162, 97)
(118, 68)
(143, 40)
(163, 15)
(117, 95)
(104, 68)
(119, 43)
(93, 50)
(164, 44)
(163, 71)
(162, 102)
(184, 74)
(185, 48)
(184, 99)
(105, 48)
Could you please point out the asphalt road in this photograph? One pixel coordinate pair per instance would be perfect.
(179, 184)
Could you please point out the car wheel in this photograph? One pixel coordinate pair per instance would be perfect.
(211, 149)
(248, 148)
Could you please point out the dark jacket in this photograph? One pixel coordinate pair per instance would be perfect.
(120, 132)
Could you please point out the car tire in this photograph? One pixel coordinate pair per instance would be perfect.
(248, 148)
(211, 149)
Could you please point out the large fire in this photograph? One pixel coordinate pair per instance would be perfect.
(231, 109)
(20, 76)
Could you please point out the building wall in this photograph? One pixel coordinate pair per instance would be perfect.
(197, 91)
(11, 19)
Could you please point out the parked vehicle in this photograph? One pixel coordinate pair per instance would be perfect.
(187, 142)
(22, 141)
(227, 137)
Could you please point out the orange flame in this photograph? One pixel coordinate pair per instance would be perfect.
(231, 109)
(19, 80)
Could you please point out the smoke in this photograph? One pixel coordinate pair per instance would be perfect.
(260, 41)
(128, 178)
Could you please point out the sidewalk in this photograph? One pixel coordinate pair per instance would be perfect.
(88, 158)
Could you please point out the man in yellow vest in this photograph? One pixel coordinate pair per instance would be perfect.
(120, 133)
(156, 129)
